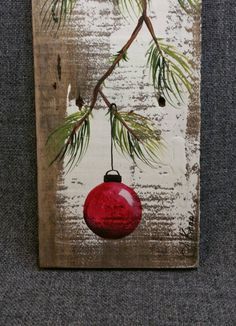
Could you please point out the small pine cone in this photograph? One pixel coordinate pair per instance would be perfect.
(79, 102)
(162, 102)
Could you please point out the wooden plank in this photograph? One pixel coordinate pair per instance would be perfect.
(68, 64)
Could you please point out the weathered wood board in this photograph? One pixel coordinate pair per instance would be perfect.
(68, 64)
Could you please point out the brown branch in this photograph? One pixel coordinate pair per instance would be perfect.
(115, 63)
(149, 25)
(105, 99)
(144, 7)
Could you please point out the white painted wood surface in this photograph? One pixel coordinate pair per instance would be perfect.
(169, 232)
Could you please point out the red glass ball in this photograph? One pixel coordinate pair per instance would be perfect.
(112, 210)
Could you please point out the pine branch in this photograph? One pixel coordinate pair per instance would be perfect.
(170, 71)
(71, 139)
(55, 13)
(136, 136)
(191, 7)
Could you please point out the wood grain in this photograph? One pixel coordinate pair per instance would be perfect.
(67, 64)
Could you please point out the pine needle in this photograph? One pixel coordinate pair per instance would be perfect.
(71, 139)
(125, 57)
(132, 7)
(191, 7)
(136, 136)
(55, 13)
(170, 70)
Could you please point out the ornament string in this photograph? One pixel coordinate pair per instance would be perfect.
(112, 108)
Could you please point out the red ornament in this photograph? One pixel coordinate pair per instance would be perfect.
(112, 210)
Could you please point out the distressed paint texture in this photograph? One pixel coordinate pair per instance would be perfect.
(69, 63)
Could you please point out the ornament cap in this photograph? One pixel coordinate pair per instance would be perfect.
(112, 177)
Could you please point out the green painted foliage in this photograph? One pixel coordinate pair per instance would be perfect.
(130, 6)
(191, 7)
(71, 139)
(55, 13)
(132, 134)
(170, 71)
(136, 136)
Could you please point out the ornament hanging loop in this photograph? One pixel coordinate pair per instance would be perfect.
(107, 173)
(113, 108)
(112, 177)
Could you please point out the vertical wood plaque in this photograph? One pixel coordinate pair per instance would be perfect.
(75, 45)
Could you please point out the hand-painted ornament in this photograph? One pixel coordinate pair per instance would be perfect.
(112, 210)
